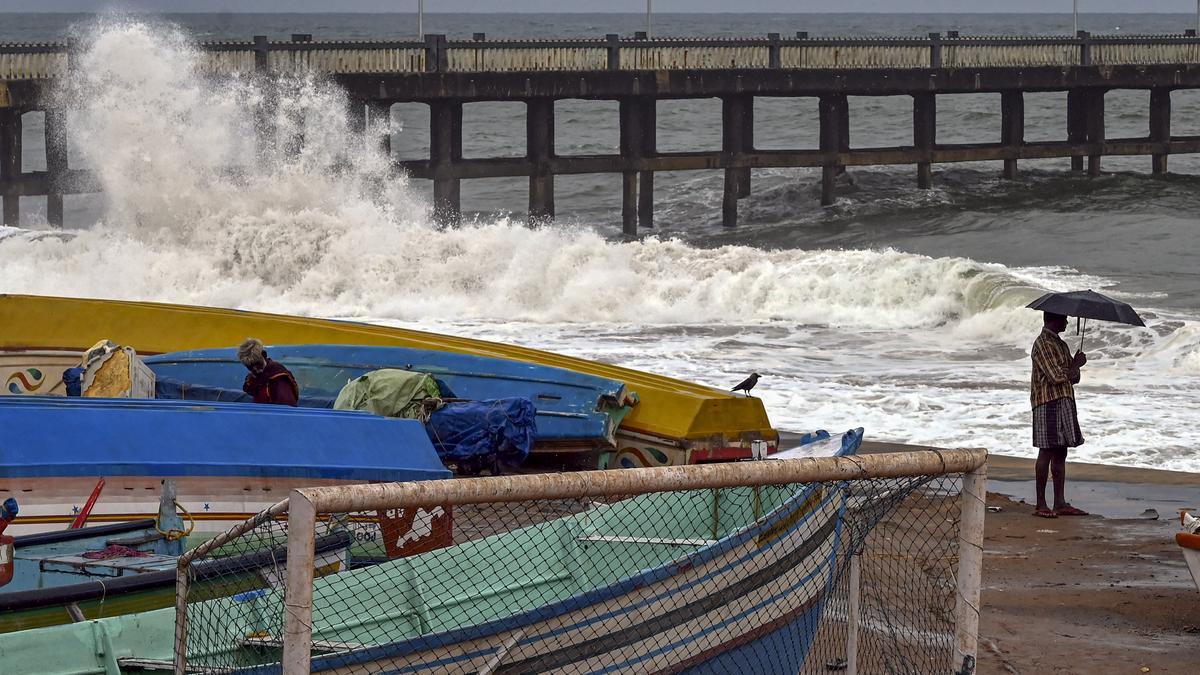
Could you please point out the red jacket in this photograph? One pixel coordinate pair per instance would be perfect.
(274, 384)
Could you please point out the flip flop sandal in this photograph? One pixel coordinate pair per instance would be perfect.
(1045, 513)
(1071, 511)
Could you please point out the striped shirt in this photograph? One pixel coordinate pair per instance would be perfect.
(1053, 373)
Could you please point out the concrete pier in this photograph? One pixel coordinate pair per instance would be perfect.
(638, 73)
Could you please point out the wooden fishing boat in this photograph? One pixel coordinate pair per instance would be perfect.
(676, 422)
(229, 461)
(633, 586)
(576, 412)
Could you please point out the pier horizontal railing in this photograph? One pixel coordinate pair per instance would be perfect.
(868, 563)
(436, 54)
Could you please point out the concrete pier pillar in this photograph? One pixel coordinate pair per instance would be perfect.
(539, 140)
(632, 122)
(737, 129)
(10, 165)
(1095, 129)
(649, 128)
(445, 149)
(379, 116)
(843, 131)
(1076, 123)
(830, 111)
(56, 164)
(925, 136)
(1012, 127)
(1160, 126)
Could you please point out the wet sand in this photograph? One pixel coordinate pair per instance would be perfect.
(1107, 593)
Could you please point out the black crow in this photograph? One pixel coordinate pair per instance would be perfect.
(747, 384)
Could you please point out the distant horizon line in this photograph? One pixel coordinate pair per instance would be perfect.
(739, 13)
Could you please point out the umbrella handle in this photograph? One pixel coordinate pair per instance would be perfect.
(1083, 334)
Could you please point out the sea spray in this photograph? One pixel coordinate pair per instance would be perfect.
(203, 204)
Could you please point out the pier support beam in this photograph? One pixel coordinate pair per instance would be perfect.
(56, 164)
(10, 165)
(1012, 128)
(832, 116)
(1160, 126)
(649, 126)
(1094, 125)
(1076, 123)
(737, 137)
(539, 136)
(632, 121)
(924, 136)
(445, 148)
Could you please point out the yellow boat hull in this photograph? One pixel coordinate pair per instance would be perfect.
(676, 421)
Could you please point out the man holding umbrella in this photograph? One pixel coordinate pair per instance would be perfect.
(1052, 391)
(1055, 419)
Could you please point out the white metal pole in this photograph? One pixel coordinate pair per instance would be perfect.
(852, 616)
(648, 5)
(420, 19)
(970, 566)
(1198, 17)
(298, 593)
(1075, 16)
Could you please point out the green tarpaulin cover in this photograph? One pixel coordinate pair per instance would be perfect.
(388, 392)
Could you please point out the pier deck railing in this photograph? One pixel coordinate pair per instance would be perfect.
(436, 54)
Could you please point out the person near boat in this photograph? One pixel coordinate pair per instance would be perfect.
(1055, 418)
(268, 380)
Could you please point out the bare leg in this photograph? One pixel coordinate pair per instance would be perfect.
(1041, 473)
(1058, 467)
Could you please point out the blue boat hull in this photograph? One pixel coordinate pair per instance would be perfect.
(573, 409)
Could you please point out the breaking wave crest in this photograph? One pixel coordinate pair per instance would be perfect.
(208, 201)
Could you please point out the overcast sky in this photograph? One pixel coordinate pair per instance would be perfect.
(788, 6)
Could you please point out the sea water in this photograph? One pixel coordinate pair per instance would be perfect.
(895, 309)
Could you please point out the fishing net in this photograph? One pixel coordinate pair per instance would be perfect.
(754, 579)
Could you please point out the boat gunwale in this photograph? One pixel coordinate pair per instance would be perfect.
(786, 509)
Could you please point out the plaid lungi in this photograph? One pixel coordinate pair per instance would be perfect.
(1056, 424)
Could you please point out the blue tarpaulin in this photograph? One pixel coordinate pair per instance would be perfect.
(480, 432)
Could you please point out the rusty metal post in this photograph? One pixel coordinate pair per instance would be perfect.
(1012, 128)
(1095, 130)
(970, 568)
(182, 586)
(445, 149)
(649, 126)
(935, 50)
(1076, 124)
(631, 152)
(925, 136)
(774, 50)
(298, 592)
(1160, 127)
(10, 165)
(56, 164)
(829, 110)
(539, 141)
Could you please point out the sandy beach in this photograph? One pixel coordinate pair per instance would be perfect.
(1107, 593)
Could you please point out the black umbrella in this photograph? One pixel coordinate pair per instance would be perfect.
(1087, 305)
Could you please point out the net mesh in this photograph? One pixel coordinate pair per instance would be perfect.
(756, 579)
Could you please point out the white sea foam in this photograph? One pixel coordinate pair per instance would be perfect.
(929, 350)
